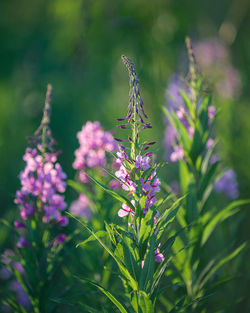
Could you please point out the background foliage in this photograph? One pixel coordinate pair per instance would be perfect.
(76, 46)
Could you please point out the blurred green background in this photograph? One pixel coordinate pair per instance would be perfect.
(76, 46)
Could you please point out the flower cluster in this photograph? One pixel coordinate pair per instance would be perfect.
(146, 187)
(13, 284)
(175, 102)
(81, 207)
(136, 172)
(94, 143)
(43, 181)
(228, 184)
(174, 151)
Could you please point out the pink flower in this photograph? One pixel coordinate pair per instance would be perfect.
(81, 207)
(94, 143)
(125, 210)
(209, 143)
(177, 154)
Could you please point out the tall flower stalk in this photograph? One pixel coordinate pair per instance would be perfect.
(141, 247)
(41, 204)
(192, 117)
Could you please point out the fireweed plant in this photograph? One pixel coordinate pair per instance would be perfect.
(39, 253)
(191, 143)
(140, 248)
(94, 154)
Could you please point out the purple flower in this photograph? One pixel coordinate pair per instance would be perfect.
(114, 184)
(175, 102)
(211, 111)
(145, 186)
(81, 207)
(22, 242)
(63, 221)
(228, 184)
(159, 257)
(60, 238)
(142, 162)
(19, 224)
(21, 295)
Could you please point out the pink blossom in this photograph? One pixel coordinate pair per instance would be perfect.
(42, 179)
(94, 143)
(177, 154)
(81, 207)
(125, 210)
(209, 143)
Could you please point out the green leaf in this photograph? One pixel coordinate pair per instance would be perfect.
(220, 263)
(108, 294)
(79, 188)
(99, 234)
(170, 213)
(123, 269)
(145, 304)
(206, 179)
(149, 264)
(113, 193)
(222, 215)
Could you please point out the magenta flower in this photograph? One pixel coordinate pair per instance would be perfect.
(19, 224)
(60, 238)
(94, 143)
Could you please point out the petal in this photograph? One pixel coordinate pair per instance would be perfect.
(122, 213)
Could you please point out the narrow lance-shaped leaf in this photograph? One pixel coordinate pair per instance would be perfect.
(108, 294)
(222, 215)
(113, 193)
